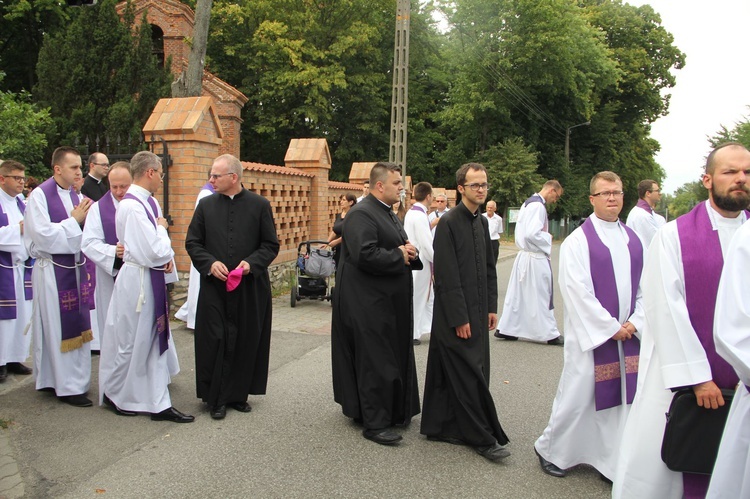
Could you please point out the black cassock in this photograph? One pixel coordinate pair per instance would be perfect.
(457, 399)
(93, 189)
(232, 329)
(374, 376)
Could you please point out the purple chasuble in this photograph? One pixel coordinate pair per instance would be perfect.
(158, 285)
(607, 369)
(642, 204)
(7, 274)
(75, 318)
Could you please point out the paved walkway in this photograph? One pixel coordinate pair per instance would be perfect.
(295, 443)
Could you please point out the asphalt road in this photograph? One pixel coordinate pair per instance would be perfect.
(295, 442)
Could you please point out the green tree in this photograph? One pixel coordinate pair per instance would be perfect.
(23, 27)
(512, 171)
(23, 130)
(686, 197)
(310, 69)
(739, 133)
(99, 77)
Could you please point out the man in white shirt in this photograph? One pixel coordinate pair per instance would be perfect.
(528, 308)
(365, 190)
(680, 285)
(417, 227)
(642, 218)
(441, 200)
(495, 222)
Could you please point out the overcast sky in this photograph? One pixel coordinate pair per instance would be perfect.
(713, 88)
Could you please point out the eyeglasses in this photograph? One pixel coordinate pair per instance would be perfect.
(608, 194)
(216, 176)
(476, 187)
(17, 178)
(654, 190)
(106, 165)
(162, 174)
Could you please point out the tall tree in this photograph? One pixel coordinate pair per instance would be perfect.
(23, 27)
(99, 76)
(190, 81)
(23, 130)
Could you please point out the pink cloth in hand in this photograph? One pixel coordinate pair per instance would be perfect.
(233, 279)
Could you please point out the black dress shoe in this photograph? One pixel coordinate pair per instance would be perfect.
(76, 400)
(548, 467)
(118, 411)
(3, 373)
(416, 342)
(502, 336)
(219, 412)
(18, 368)
(604, 479)
(240, 406)
(173, 415)
(494, 452)
(555, 341)
(95, 352)
(382, 437)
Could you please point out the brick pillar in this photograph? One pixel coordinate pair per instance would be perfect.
(191, 131)
(313, 157)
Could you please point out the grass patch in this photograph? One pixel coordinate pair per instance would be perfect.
(5, 423)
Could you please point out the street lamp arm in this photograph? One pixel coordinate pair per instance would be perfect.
(567, 140)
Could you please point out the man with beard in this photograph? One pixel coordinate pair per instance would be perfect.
(680, 284)
(458, 405)
(374, 375)
(232, 242)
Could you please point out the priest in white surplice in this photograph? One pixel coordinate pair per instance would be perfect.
(15, 273)
(100, 245)
(137, 376)
(61, 317)
(187, 310)
(528, 308)
(731, 477)
(600, 268)
(680, 283)
(417, 227)
(642, 218)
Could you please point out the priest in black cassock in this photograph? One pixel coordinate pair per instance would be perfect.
(374, 376)
(233, 229)
(96, 184)
(458, 406)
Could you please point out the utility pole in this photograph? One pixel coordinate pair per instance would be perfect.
(400, 100)
(567, 141)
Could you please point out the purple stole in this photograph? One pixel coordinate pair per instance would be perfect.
(107, 213)
(158, 285)
(7, 277)
(209, 187)
(702, 262)
(75, 320)
(536, 198)
(642, 204)
(607, 375)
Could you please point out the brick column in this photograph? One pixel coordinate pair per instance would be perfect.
(191, 130)
(313, 157)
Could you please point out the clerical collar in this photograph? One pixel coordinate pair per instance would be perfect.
(98, 181)
(544, 201)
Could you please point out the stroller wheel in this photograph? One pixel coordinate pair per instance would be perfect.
(294, 297)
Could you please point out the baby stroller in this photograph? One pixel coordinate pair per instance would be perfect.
(313, 272)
